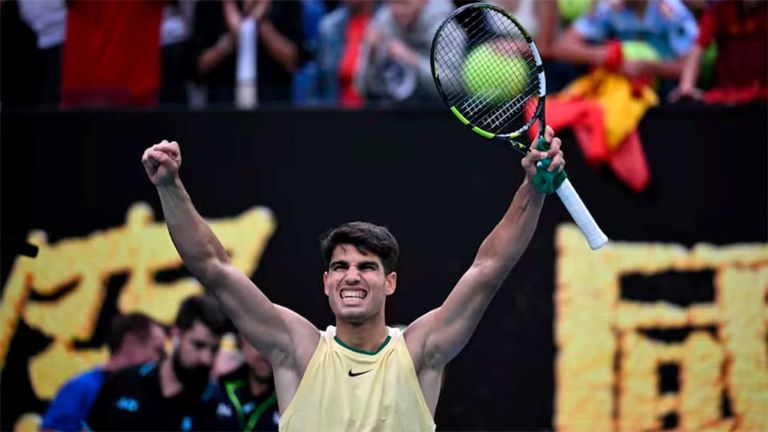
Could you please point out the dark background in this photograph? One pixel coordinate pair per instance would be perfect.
(437, 186)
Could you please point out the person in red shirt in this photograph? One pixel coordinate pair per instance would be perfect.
(111, 55)
(340, 46)
(740, 30)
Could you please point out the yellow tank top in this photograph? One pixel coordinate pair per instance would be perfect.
(344, 389)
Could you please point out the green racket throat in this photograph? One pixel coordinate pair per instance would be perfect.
(547, 181)
(488, 72)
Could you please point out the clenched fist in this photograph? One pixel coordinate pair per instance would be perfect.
(162, 162)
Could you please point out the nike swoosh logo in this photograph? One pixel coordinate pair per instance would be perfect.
(354, 374)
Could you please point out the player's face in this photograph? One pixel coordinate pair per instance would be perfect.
(356, 284)
(405, 12)
(197, 347)
(256, 362)
(153, 349)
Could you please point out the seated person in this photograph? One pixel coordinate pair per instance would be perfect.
(249, 400)
(175, 393)
(666, 25)
(395, 64)
(340, 44)
(739, 28)
(133, 339)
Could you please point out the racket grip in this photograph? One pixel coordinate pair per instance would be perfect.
(584, 220)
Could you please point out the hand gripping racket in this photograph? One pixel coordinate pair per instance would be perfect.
(488, 72)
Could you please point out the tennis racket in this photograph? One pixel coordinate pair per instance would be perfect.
(489, 73)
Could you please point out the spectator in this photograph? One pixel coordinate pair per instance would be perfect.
(18, 58)
(666, 25)
(48, 19)
(339, 51)
(395, 62)
(229, 356)
(175, 29)
(279, 52)
(249, 394)
(133, 339)
(176, 393)
(545, 20)
(111, 55)
(305, 78)
(739, 28)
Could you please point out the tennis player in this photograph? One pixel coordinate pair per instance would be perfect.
(360, 374)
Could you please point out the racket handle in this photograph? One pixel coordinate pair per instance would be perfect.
(586, 223)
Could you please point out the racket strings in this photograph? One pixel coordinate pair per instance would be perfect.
(505, 83)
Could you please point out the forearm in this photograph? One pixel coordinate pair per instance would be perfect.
(667, 69)
(215, 55)
(446, 330)
(279, 47)
(197, 245)
(573, 50)
(690, 73)
(502, 248)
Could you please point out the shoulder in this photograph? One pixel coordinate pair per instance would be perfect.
(395, 332)
(334, 19)
(88, 379)
(212, 394)
(239, 374)
(383, 18)
(437, 9)
(600, 9)
(673, 10)
(135, 375)
(588, 25)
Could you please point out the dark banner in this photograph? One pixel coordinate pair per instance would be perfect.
(663, 328)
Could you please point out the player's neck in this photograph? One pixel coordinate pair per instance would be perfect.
(116, 362)
(258, 385)
(169, 382)
(367, 336)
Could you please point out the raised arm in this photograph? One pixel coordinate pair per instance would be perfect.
(439, 335)
(282, 335)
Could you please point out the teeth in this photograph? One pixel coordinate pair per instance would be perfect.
(353, 294)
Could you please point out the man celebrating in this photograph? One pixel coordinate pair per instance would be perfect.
(175, 394)
(360, 374)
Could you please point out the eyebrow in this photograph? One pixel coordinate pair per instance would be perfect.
(360, 264)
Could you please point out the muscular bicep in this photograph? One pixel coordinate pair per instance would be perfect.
(439, 335)
(277, 332)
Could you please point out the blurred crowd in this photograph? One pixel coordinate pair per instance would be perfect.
(354, 53)
(197, 374)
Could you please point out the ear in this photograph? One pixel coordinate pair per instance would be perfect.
(390, 283)
(175, 337)
(325, 283)
(130, 341)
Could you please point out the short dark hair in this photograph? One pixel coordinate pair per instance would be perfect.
(366, 237)
(135, 323)
(204, 309)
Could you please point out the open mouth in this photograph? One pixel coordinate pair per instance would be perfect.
(352, 294)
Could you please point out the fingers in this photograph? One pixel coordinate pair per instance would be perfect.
(148, 161)
(159, 158)
(549, 133)
(169, 147)
(554, 152)
(163, 152)
(529, 162)
(532, 158)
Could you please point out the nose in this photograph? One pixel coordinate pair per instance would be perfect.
(352, 276)
(206, 357)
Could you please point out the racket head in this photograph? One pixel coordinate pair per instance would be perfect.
(489, 73)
